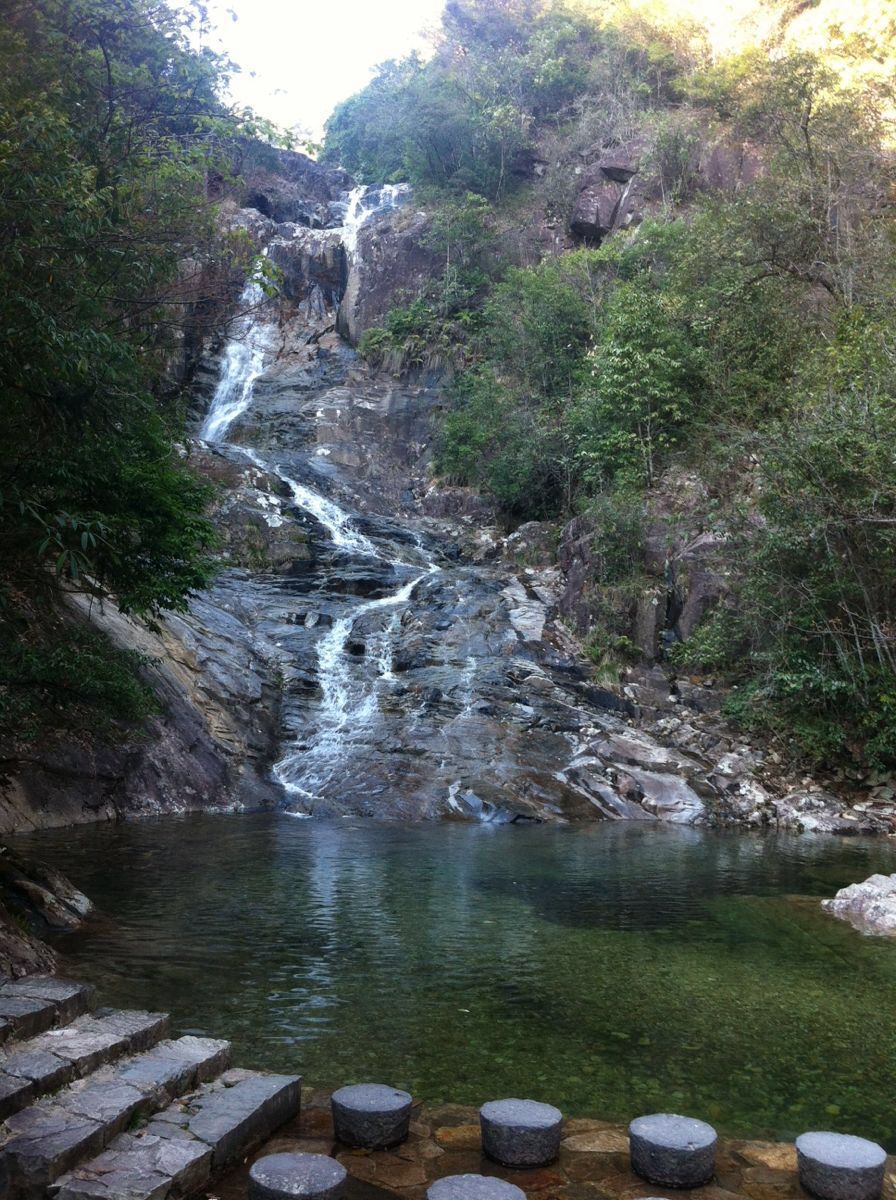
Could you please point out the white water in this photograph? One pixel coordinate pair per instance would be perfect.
(243, 362)
(345, 709)
(357, 213)
(349, 698)
(333, 518)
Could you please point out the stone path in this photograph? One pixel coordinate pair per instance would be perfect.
(593, 1163)
(100, 1104)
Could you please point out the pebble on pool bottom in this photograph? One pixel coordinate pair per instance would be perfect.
(371, 1115)
(521, 1133)
(838, 1166)
(473, 1187)
(296, 1177)
(673, 1151)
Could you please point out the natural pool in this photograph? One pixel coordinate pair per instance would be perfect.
(611, 970)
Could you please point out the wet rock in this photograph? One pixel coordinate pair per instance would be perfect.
(869, 906)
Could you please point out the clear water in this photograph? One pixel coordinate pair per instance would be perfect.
(610, 970)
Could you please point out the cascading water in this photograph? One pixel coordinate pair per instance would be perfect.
(362, 202)
(348, 690)
(243, 361)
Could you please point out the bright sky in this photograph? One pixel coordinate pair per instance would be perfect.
(299, 58)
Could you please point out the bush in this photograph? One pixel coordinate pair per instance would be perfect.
(68, 678)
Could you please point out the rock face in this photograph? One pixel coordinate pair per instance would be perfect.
(210, 747)
(392, 262)
(373, 640)
(869, 907)
(34, 900)
(286, 186)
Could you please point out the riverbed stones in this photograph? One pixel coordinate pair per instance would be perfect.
(838, 1166)
(287, 1176)
(521, 1133)
(673, 1151)
(371, 1115)
(473, 1187)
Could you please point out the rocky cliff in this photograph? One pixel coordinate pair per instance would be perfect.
(374, 644)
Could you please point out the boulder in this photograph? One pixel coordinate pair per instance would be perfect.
(595, 208)
(869, 906)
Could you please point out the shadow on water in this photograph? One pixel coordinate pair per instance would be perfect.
(609, 970)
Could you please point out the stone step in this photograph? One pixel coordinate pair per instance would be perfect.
(31, 1069)
(30, 1006)
(41, 1142)
(179, 1149)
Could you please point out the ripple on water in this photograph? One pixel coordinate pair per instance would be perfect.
(611, 970)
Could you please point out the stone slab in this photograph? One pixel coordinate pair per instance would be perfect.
(170, 1068)
(45, 1070)
(139, 1167)
(46, 1142)
(112, 1102)
(232, 1119)
(71, 999)
(91, 1041)
(15, 1093)
(28, 1017)
(300, 1176)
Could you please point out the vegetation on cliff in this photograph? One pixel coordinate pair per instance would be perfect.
(736, 322)
(109, 124)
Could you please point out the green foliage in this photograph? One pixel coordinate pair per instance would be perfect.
(644, 382)
(71, 679)
(490, 440)
(459, 120)
(539, 322)
(105, 140)
(822, 567)
(109, 126)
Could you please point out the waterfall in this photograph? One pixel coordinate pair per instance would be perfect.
(348, 703)
(333, 518)
(243, 361)
(344, 710)
(361, 204)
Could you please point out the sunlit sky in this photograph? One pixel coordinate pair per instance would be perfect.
(299, 58)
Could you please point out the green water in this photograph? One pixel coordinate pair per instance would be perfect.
(610, 970)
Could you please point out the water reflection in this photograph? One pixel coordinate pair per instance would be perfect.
(608, 970)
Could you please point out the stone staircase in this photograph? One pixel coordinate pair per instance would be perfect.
(101, 1104)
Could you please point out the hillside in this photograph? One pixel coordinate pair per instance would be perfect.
(660, 277)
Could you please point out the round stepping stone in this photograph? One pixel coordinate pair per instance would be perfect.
(371, 1115)
(287, 1176)
(520, 1133)
(837, 1166)
(473, 1187)
(673, 1151)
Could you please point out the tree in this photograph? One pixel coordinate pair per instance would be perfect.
(109, 123)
